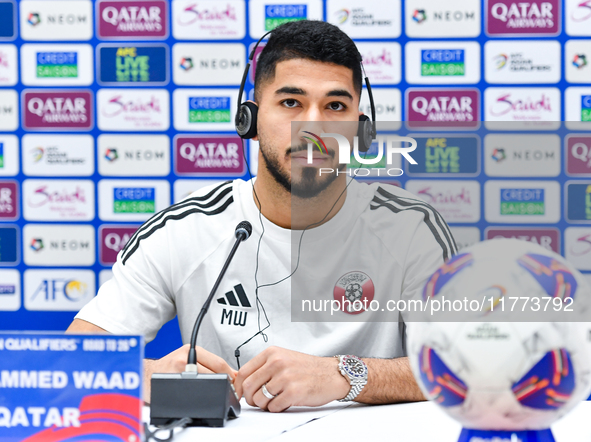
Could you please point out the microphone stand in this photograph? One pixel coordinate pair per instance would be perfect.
(199, 399)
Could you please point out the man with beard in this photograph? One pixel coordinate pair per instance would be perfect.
(324, 236)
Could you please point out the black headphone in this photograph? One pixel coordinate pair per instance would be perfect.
(246, 116)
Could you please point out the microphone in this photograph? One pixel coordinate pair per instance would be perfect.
(205, 399)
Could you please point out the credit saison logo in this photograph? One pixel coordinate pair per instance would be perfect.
(1, 155)
(586, 108)
(57, 65)
(133, 64)
(134, 200)
(132, 18)
(522, 202)
(276, 15)
(579, 61)
(209, 109)
(442, 62)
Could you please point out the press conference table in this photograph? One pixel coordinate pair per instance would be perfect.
(415, 422)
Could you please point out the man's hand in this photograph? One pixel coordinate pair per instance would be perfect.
(175, 362)
(294, 378)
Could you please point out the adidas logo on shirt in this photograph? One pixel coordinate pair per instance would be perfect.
(235, 298)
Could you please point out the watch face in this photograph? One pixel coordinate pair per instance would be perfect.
(354, 367)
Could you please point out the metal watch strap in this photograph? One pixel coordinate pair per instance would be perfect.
(356, 384)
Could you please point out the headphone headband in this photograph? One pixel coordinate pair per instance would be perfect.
(244, 119)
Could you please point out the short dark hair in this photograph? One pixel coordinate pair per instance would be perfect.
(311, 40)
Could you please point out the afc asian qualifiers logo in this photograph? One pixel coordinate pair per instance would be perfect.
(354, 291)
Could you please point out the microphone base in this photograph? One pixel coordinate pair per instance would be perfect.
(208, 399)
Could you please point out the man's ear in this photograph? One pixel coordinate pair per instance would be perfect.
(256, 137)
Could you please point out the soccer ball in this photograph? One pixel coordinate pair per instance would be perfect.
(489, 371)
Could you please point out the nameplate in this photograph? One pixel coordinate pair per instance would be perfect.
(56, 387)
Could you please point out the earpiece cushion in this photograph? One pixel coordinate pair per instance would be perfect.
(364, 133)
(246, 120)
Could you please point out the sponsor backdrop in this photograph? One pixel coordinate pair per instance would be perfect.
(112, 110)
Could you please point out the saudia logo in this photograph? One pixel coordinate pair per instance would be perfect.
(194, 13)
(4, 60)
(505, 104)
(582, 12)
(384, 58)
(134, 200)
(209, 109)
(442, 62)
(117, 106)
(448, 197)
(41, 196)
(57, 65)
(522, 202)
(276, 15)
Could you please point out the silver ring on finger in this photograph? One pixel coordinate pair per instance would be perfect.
(266, 392)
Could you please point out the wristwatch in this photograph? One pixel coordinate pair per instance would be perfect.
(355, 371)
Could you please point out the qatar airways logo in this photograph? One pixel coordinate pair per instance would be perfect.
(120, 19)
(506, 17)
(118, 105)
(443, 108)
(57, 109)
(198, 13)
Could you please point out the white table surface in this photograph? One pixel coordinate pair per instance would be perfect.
(415, 422)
